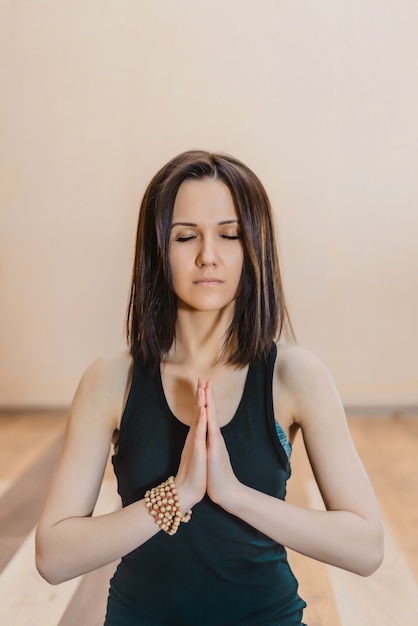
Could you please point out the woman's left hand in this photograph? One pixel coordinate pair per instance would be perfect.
(221, 479)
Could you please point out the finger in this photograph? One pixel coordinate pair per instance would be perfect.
(201, 426)
(209, 395)
(199, 423)
(201, 399)
(212, 417)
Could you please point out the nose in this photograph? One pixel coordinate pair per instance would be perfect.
(207, 254)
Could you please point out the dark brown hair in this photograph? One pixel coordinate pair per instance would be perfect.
(260, 310)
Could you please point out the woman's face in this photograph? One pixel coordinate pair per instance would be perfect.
(206, 253)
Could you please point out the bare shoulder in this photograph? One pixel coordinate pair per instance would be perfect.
(104, 386)
(114, 367)
(107, 374)
(296, 365)
(305, 380)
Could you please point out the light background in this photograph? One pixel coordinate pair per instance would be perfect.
(319, 97)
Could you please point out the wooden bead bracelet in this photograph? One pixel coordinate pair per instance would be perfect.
(163, 504)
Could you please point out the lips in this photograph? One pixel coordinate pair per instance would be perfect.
(208, 280)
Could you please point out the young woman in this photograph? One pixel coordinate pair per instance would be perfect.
(206, 403)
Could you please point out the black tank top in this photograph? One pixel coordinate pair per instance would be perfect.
(217, 570)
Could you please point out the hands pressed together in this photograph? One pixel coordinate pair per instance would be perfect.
(205, 466)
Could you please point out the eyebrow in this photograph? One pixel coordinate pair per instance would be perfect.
(195, 225)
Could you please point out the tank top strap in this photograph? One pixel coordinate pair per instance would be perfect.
(140, 377)
(264, 376)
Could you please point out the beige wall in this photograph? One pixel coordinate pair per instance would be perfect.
(320, 98)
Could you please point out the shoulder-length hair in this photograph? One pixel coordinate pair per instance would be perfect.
(260, 310)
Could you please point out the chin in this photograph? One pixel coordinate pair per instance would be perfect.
(205, 307)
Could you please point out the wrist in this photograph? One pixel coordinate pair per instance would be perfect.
(231, 498)
(187, 500)
(163, 505)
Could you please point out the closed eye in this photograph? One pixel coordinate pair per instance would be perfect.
(230, 236)
(188, 238)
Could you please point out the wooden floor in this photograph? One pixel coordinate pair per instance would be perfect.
(29, 445)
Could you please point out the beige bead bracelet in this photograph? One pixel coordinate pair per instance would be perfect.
(163, 504)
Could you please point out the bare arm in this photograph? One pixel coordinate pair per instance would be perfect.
(349, 533)
(69, 541)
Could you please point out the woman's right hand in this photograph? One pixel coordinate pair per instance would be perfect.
(191, 476)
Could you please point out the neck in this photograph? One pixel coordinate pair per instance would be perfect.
(200, 337)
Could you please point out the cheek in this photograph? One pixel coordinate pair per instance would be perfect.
(173, 261)
(178, 267)
(239, 261)
(240, 270)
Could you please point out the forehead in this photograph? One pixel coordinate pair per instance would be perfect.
(205, 198)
